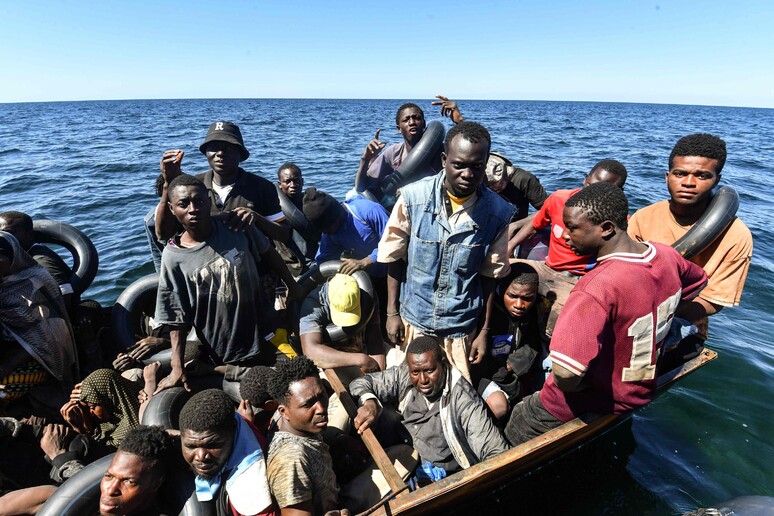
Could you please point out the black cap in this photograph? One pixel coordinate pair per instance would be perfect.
(226, 132)
(320, 209)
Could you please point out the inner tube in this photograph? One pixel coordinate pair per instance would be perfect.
(164, 408)
(296, 217)
(720, 213)
(127, 314)
(418, 160)
(316, 276)
(85, 258)
(80, 494)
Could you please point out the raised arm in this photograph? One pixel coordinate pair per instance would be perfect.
(373, 148)
(448, 108)
(170, 166)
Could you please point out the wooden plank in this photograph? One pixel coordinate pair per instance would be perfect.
(383, 462)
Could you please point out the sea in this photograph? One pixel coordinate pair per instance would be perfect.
(708, 439)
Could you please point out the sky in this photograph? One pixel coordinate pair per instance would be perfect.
(675, 52)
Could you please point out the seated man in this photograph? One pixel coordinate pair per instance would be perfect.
(227, 455)
(20, 225)
(135, 475)
(410, 123)
(694, 170)
(338, 301)
(301, 470)
(290, 180)
(209, 280)
(444, 414)
(563, 267)
(611, 330)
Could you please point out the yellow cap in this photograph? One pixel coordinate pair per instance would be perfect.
(344, 300)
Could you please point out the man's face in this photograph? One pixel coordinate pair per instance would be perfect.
(411, 125)
(465, 165)
(306, 410)
(691, 179)
(191, 206)
(519, 299)
(426, 373)
(291, 182)
(14, 227)
(129, 485)
(207, 452)
(582, 236)
(223, 157)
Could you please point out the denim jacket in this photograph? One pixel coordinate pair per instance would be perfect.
(441, 294)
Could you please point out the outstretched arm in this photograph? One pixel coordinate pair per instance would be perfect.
(449, 108)
(170, 166)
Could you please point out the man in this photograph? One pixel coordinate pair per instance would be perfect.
(444, 414)
(352, 228)
(516, 185)
(209, 280)
(410, 123)
(338, 301)
(695, 164)
(226, 453)
(305, 240)
(20, 225)
(563, 267)
(448, 234)
(131, 484)
(612, 328)
(300, 468)
(247, 198)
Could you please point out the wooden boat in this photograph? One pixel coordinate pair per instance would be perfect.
(524, 458)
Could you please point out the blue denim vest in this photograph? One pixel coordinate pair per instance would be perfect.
(441, 294)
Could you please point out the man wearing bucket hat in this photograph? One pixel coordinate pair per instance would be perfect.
(248, 199)
(338, 302)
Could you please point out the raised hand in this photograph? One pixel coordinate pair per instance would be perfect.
(448, 108)
(374, 147)
(170, 164)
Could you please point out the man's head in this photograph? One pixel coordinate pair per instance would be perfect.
(323, 211)
(19, 225)
(137, 471)
(522, 290)
(224, 148)
(607, 171)
(189, 202)
(301, 397)
(290, 179)
(695, 164)
(593, 215)
(410, 122)
(207, 431)
(427, 366)
(464, 161)
(254, 386)
(344, 300)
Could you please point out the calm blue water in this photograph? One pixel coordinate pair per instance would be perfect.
(92, 164)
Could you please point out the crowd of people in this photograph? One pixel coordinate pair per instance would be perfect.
(452, 349)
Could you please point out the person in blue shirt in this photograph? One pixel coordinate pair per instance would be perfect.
(351, 231)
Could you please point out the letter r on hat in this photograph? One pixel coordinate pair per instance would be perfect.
(219, 126)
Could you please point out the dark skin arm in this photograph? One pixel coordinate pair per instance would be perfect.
(566, 380)
(394, 326)
(326, 357)
(696, 311)
(479, 344)
(373, 148)
(367, 416)
(239, 219)
(166, 223)
(177, 375)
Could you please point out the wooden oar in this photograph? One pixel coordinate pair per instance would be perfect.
(394, 480)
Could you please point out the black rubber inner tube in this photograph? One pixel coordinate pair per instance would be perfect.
(80, 494)
(418, 160)
(718, 216)
(164, 408)
(316, 276)
(296, 217)
(85, 257)
(131, 306)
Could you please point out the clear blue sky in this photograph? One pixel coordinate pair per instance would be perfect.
(687, 52)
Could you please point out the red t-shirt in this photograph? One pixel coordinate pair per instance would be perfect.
(560, 256)
(612, 327)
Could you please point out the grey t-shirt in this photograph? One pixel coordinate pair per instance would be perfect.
(213, 286)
